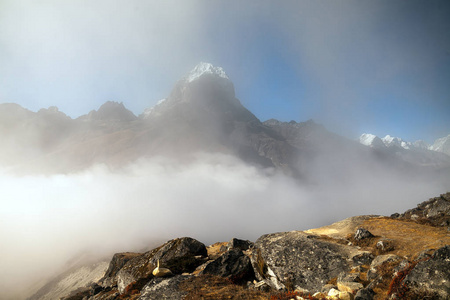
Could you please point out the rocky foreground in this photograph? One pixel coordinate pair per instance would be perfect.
(405, 256)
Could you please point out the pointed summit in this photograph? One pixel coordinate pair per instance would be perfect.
(206, 68)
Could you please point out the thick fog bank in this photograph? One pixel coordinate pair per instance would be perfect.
(48, 220)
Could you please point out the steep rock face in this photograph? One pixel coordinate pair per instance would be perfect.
(299, 260)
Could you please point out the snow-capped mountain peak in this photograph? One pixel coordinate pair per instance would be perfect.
(205, 68)
(371, 140)
(367, 139)
(442, 145)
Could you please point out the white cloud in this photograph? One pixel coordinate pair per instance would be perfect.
(48, 220)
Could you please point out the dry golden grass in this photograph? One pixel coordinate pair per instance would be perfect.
(409, 238)
(208, 287)
(214, 251)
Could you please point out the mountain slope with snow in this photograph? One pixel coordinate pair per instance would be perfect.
(418, 152)
(442, 145)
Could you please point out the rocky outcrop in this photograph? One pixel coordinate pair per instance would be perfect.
(233, 264)
(178, 255)
(431, 277)
(435, 211)
(363, 258)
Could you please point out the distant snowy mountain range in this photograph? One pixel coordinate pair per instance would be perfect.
(440, 145)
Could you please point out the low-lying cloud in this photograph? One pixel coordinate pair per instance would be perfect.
(49, 220)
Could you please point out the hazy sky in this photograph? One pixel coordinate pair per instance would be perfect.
(381, 67)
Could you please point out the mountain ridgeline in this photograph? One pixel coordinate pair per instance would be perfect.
(201, 114)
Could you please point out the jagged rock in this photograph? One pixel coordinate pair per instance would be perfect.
(365, 294)
(239, 244)
(298, 259)
(432, 276)
(362, 233)
(164, 288)
(233, 264)
(178, 255)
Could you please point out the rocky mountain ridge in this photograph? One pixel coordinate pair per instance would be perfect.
(405, 256)
(201, 114)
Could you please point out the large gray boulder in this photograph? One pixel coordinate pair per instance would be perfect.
(299, 260)
(179, 255)
(431, 277)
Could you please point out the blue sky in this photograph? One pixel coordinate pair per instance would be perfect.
(381, 67)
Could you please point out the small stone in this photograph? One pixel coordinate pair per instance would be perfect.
(351, 287)
(362, 233)
(319, 295)
(333, 293)
(346, 296)
(327, 287)
(414, 217)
